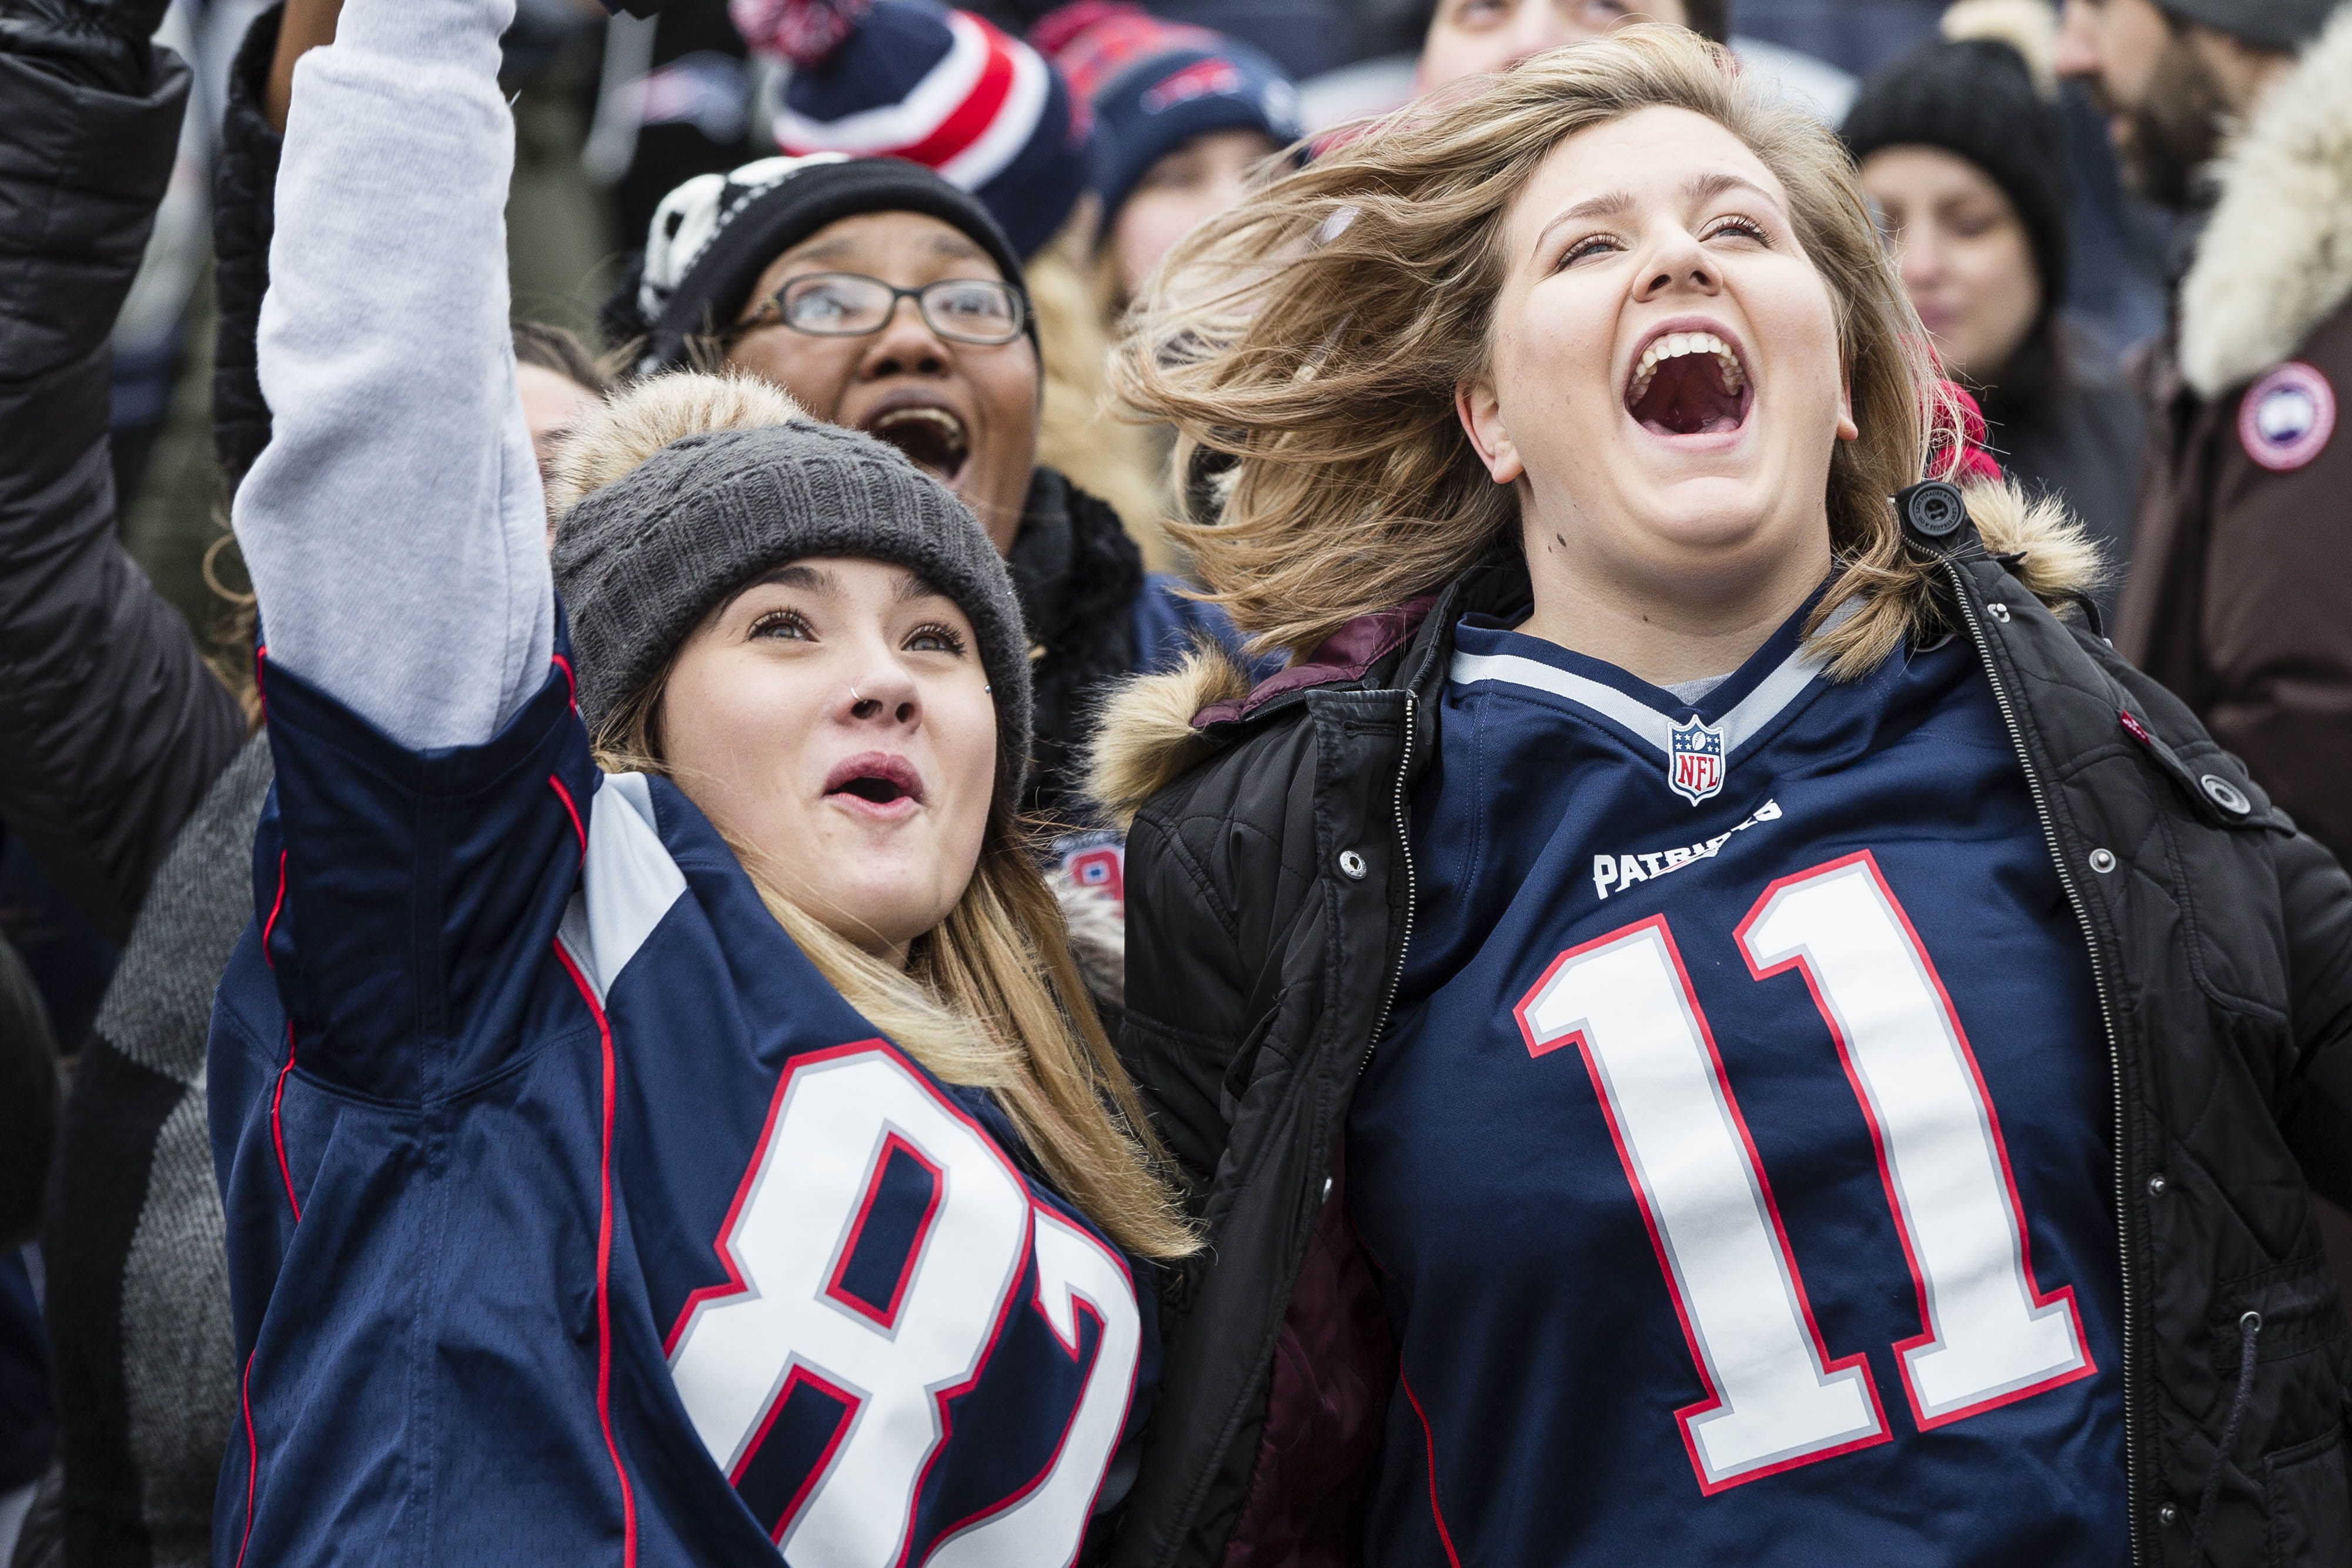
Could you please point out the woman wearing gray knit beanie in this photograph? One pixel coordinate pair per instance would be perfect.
(684, 1144)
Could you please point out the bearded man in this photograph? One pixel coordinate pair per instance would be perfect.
(2235, 112)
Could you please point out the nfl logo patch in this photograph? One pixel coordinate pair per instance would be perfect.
(1695, 760)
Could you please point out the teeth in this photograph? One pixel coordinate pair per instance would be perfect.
(1673, 346)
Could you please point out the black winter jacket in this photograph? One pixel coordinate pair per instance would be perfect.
(110, 725)
(1270, 886)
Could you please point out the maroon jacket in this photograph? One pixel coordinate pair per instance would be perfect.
(2241, 562)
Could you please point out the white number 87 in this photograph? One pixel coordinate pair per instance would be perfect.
(739, 1349)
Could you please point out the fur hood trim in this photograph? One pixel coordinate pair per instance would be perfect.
(2276, 258)
(1150, 732)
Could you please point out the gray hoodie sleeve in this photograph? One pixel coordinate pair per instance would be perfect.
(394, 525)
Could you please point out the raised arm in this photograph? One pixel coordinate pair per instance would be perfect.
(111, 727)
(394, 525)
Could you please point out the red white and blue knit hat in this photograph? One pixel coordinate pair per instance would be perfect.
(913, 79)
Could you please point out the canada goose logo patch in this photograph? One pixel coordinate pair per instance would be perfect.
(1695, 760)
(2288, 417)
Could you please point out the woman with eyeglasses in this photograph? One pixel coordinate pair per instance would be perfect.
(883, 299)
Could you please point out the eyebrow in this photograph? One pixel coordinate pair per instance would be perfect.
(1614, 204)
(822, 250)
(808, 579)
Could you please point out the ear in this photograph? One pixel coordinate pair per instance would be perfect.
(1847, 430)
(1481, 413)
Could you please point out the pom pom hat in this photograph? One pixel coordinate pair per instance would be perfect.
(911, 80)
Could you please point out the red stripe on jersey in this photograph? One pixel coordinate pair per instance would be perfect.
(571, 810)
(252, 1455)
(278, 1128)
(1444, 1536)
(604, 1253)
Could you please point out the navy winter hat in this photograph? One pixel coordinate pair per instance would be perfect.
(714, 236)
(913, 79)
(1975, 98)
(2266, 24)
(1156, 85)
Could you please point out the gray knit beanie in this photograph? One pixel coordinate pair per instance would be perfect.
(639, 562)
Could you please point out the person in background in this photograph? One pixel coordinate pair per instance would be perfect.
(1182, 118)
(28, 1114)
(2237, 112)
(1959, 155)
(559, 383)
(886, 300)
(945, 89)
(1468, 37)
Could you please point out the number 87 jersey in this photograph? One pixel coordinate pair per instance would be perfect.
(1739, 1169)
(573, 1218)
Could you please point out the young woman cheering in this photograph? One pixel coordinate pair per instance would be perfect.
(1710, 1019)
(676, 1164)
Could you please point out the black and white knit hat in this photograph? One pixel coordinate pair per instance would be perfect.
(714, 236)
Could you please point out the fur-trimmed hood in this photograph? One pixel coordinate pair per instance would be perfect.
(1153, 728)
(2276, 258)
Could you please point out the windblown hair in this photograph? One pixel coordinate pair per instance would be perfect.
(989, 997)
(1309, 341)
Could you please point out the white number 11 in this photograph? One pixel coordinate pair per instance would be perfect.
(1989, 1336)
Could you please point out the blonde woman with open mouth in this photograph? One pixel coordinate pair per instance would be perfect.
(1710, 1017)
(657, 1115)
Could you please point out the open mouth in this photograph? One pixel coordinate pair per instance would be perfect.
(876, 784)
(933, 439)
(1689, 383)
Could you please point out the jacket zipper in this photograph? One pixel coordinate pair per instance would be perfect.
(2106, 1017)
(1411, 888)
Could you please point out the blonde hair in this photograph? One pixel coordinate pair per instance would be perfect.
(989, 997)
(1078, 431)
(1314, 335)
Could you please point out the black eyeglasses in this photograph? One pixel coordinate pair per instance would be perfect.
(851, 305)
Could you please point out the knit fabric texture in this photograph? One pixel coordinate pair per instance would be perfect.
(2267, 23)
(942, 88)
(640, 562)
(713, 237)
(1156, 85)
(135, 1238)
(1975, 99)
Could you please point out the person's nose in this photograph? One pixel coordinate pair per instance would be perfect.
(882, 695)
(1679, 263)
(1538, 26)
(2077, 53)
(906, 346)
(1918, 260)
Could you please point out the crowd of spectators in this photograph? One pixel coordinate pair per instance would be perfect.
(2124, 225)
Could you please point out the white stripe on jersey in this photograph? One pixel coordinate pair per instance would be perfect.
(628, 884)
(1742, 724)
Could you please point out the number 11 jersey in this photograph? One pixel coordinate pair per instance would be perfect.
(1740, 1167)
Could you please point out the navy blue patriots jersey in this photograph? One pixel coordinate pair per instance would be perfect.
(1739, 1168)
(573, 1218)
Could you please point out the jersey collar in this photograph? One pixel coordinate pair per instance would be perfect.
(1749, 702)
